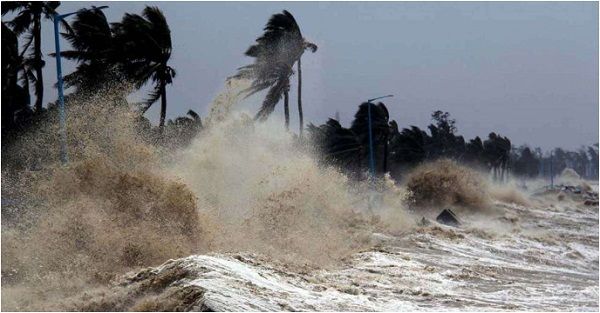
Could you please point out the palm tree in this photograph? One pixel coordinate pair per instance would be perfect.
(497, 152)
(338, 145)
(410, 146)
(380, 126)
(182, 130)
(29, 19)
(94, 49)
(313, 48)
(474, 152)
(15, 98)
(275, 53)
(145, 44)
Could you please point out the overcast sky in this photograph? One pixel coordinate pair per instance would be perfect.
(526, 70)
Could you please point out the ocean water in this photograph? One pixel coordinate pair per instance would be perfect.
(542, 258)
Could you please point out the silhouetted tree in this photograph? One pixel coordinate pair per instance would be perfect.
(94, 50)
(181, 130)
(381, 131)
(29, 20)
(313, 48)
(275, 53)
(475, 154)
(145, 42)
(497, 152)
(15, 98)
(410, 146)
(525, 163)
(338, 145)
(443, 141)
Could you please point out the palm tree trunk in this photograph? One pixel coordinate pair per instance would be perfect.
(39, 83)
(300, 115)
(163, 106)
(286, 109)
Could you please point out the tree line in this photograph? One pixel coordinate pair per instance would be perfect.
(137, 50)
(397, 151)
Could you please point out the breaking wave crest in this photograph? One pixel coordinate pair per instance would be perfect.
(252, 195)
(122, 203)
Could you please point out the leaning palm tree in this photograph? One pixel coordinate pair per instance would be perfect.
(145, 43)
(338, 145)
(380, 127)
(275, 53)
(29, 20)
(94, 49)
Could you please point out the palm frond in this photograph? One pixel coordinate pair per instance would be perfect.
(22, 22)
(271, 99)
(28, 41)
(275, 52)
(153, 96)
(11, 6)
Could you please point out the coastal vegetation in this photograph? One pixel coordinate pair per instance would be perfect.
(136, 50)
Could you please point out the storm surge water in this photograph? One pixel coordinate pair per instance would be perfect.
(245, 217)
(123, 203)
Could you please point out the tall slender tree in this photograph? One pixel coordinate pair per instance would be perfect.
(145, 44)
(15, 98)
(29, 20)
(313, 48)
(275, 53)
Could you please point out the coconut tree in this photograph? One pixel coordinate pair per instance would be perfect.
(380, 125)
(275, 53)
(181, 130)
(29, 20)
(497, 152)
(15, 98)
(313, 48)
(410, 146)
(474, 152)
(338, 145)
(94, 49)
(145, 44)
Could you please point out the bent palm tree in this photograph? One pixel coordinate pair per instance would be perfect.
(275, 53)
(338, 145)
(379, 125)
(29, 19)
(94, 50)
(146, 46)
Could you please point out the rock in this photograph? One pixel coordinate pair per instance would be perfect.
(447, 217)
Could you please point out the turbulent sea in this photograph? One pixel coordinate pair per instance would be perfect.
(542, 258)
(252, 220)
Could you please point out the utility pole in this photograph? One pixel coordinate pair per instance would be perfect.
(61, 98)
(371, 154)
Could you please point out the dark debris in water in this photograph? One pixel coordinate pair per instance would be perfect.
(447, 217)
